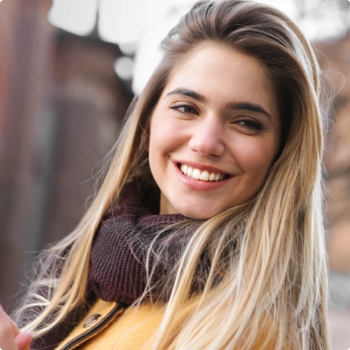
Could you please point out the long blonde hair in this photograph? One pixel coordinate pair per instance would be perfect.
(269, 252)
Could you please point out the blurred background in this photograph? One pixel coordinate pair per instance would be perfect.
(68, 71)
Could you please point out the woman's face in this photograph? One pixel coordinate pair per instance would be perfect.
(213, 133)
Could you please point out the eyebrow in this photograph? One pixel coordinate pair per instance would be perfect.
(247, 106)
(187, 92)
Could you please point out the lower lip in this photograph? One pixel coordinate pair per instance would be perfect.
(198, 184)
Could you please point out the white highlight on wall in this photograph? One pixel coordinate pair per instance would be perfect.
(124, 67)
(148, 53)
(75, 16)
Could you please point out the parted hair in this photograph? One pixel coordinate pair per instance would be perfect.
(270, 251)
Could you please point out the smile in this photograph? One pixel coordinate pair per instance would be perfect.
(201, 175)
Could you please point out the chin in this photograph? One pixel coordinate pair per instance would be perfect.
(198, 214)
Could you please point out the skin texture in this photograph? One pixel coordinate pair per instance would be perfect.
(10, 336)
(218, 112)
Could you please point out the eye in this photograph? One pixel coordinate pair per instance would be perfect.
(250, 124)
(184, 108)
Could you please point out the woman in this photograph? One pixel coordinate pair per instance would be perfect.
(228, 134)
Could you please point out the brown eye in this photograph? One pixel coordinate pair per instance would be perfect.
(251, 124)
(184, 108)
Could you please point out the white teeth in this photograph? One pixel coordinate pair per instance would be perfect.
(200, 175)
(204, 176)
(196, 174)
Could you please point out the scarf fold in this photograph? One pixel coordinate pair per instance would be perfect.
(118, 257)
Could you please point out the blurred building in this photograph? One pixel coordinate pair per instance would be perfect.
(334, 58)
(61, 105)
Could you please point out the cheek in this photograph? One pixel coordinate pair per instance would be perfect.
(160, 145)
(165, 137)
(255, 156)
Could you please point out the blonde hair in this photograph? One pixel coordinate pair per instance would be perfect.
(269, 253)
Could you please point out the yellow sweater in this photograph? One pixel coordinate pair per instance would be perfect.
(131, 331)
(109, 326)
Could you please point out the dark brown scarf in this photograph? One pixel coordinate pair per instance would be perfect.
(118, 257)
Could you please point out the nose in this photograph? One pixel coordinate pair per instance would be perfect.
(207, 137)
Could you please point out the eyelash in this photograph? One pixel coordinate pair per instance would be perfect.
(177, 107)
(250, 123)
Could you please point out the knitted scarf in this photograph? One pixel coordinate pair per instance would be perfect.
(118, 258)
(119, 253)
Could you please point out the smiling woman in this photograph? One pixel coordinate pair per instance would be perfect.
(226, 133)
(207, 230)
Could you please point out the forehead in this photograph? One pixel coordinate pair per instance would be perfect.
(210, 54)
(223, 75)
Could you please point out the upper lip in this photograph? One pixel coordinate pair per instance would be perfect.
(202, 167)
